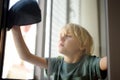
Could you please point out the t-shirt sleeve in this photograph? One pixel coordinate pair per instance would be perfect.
(95, 68)
(53, 64)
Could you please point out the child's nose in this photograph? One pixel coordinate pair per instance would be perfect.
(62, 38)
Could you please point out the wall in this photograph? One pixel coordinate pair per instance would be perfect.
(89, 20)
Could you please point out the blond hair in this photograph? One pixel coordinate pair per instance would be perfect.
(83, 36)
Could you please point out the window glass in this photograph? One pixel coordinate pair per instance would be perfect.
(14, 67)
(59, 18)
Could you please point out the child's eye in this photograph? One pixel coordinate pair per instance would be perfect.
(68, 35)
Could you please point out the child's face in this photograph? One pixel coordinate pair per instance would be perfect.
(68, 44)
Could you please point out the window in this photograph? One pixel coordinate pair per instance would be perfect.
(59, 18)
(13, 66)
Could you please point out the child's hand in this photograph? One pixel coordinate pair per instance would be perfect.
(16, 28)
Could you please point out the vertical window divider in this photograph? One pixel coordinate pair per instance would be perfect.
(50, 38)
(40, 39)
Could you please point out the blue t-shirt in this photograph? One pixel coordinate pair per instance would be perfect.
(86, 69)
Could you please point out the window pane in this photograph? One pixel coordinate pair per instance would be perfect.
(59, 19)
(13, 66)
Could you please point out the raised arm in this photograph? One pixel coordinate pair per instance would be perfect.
(103, 63)
(24, 52)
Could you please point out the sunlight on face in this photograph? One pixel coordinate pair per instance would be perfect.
(68, 43)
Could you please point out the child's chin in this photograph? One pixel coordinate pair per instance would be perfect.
(61, 52)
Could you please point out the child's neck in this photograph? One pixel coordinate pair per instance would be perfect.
(73, 59)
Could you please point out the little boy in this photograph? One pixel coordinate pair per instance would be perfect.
(76, 45)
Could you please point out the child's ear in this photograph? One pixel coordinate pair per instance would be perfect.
(82, 48)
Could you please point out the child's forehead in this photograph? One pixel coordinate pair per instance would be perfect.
(66, 31)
